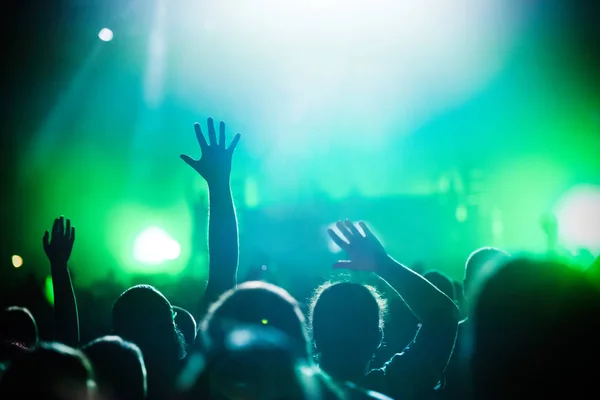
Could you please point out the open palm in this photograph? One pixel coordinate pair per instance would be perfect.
(214, 164)
(364, 250)
(59, 245)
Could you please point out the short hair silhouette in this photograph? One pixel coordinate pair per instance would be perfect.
(52, 371)
(256, 303)
(442, 282)
(479, 260)
(187, 325)
(144, 316)
(253, 361)
(17, 325)
(119, 368)
(346, 319)
(536, 332)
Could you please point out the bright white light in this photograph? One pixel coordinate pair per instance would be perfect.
(105, 35)
(388, 52)
(155, 246)
(578, 215)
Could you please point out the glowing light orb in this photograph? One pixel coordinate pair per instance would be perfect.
(578, 214)
(17, 261)
(155, 246)
(105, 34)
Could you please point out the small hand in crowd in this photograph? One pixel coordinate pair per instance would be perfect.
(365, 251)
(58, 245)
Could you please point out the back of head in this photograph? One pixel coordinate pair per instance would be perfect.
(119, 368)
(51, 371)
(346, 320)
(479, 262)
(252, 362)
(187, 325)
(17, 325)
(144, 316)
(256, 304)
(441, 281)
(536, 328)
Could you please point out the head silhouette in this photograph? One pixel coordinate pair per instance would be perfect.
(256, 304)
(536, 332)
(254, 361)
(346, 322)
(51, 371)
(187, 325)
(18, 326)
(479, 263)
(441, 281)
(119, 368)
(145, 317)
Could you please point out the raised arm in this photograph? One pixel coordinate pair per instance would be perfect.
(215, 167)
(58, 247)
(366, 253)
(419, 369)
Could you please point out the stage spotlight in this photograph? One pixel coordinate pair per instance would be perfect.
(578, 214)
(155, 246)
(17, 261)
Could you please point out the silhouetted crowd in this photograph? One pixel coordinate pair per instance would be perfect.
(515, 327)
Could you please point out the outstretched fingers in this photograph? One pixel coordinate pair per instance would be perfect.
(365, 229)
(352, 228)
(344, 231)
(212, 135)
(222, 134)
(234, 143)
(200, 136)
(342, 244)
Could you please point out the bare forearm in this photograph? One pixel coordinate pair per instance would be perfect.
(427, 302)
(222, 239)
(65, 306)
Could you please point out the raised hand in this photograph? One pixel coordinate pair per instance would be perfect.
(58, 247)
(215, 163)
(364, 250)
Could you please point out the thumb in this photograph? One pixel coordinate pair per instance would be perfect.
(46, 240)
(188, 160)
(345, 264)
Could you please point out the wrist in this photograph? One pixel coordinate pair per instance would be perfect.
(58, 265)
(219, 182)
(386, 264)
